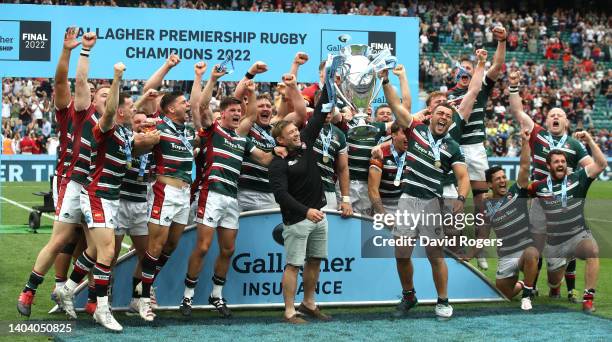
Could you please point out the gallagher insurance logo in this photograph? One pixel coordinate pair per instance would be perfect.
(333, 40)
(25, 40)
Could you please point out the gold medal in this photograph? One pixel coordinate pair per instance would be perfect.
(325, 159)
(396, 182)
(438, 164)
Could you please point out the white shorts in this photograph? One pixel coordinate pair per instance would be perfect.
(99, 212)
(390, 204)
(193, 208)
(255, 200)
(68, 208)
(557, 256)
(55, 188)
(429, 228)
(332, 201)
(508, 266)
(169, 204)
(359, 197)
(476, 160)
(537, 218)
(217, 210)
(132, 218)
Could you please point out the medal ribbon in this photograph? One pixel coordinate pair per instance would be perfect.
(563, 190)
(435, 145)
(399, 161)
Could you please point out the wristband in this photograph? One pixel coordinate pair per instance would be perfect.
(461, 198)
(346, 199)
(249, 75)
(385, 81)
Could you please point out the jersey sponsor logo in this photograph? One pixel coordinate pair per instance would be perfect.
(98, 216)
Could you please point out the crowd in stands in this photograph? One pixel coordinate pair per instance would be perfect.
(578, 44)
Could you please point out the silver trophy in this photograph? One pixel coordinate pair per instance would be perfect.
(359, 85)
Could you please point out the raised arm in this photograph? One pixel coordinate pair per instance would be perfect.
(467, 104)
(82, 93)
(516, 103)
(523, 176)
(298, 116)
(247, 120)
(206, 115)
(258, 67)
(107, 120)
(402, 115)
(300, 59)
(400, 72)
(61, 86)
(196, 94)
(147, 102)
(499, 58)
(156, 79)
(594, 169)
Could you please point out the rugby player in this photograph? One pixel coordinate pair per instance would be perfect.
(68, 210)
(169, 199)
(543, 140)
(431, 153)
(507, 214)
(473, 131)
(64, 111)
(112, 149)
(218, 210)
(562, 196)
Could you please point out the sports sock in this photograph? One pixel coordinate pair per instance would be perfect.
(570, 275)
(60, 281)
(443, 301)
(190, 284)
(409, 294)
(148, 274)
(33, 282)
(91, 294)
(218, 283)
(161, 262)
(527, 291)
(101, 274)
(82, 265)
(135, 282)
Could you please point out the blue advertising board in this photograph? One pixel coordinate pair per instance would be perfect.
(142, 38)
(348, 276)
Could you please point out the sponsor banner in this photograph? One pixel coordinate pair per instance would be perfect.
(27, 167)
(255, 271)
(142, 38)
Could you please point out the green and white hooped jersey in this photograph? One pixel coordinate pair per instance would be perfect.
(424, 179)
(337, 145)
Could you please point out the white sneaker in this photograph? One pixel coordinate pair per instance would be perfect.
(105, 318)
(153, 297)
(483, 264)
(526, 303)
(144, 309)
(444, 312)
(65, 299)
